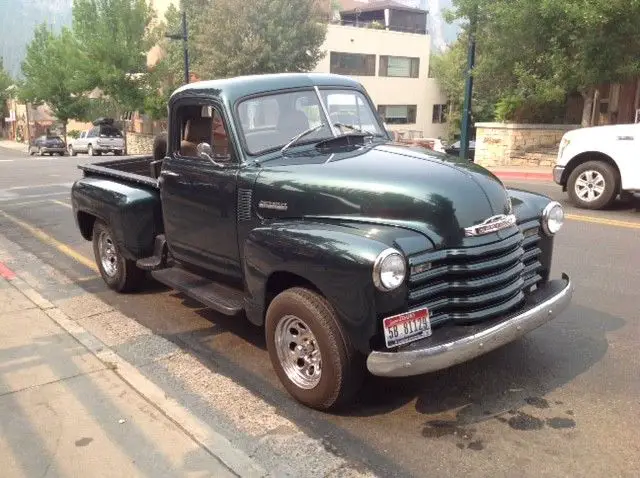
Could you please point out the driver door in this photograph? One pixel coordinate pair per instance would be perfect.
(198, 194)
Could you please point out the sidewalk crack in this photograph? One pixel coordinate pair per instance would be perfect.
(31, 387)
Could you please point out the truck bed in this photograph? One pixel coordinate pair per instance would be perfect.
(130, 168)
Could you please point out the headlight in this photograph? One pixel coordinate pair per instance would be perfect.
(552, 218)
(389, 270)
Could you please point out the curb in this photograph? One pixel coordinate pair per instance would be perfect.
(216, 444)
(523, 175)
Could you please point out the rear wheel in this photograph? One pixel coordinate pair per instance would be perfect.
(119, 273)
(592, 185)
(310, 351)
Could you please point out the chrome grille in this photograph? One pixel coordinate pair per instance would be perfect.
(477, 283)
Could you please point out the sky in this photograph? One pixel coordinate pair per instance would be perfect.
(18, 18)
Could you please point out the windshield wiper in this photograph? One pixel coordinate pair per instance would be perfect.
(298, 137)
(355, 128)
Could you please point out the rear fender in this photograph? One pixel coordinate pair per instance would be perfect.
(133, 212)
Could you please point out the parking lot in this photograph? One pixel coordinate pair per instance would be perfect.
(561, 402)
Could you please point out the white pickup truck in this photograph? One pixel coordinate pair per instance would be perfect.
(597, 164)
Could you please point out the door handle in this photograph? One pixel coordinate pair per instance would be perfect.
(170, 173)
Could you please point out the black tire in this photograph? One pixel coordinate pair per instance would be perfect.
(61, 153)
(607, 197)
(342, 366)
(127, 276)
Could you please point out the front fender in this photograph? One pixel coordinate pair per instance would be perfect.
(133, 212)
(336, 259)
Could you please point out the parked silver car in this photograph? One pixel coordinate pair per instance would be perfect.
(103, 138)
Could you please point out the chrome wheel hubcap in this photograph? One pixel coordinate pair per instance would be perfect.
(108, 254)
(590, 185)
(298, 352)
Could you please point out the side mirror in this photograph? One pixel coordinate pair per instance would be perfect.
(205, 151)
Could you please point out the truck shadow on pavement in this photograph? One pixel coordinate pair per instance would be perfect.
(504, 380)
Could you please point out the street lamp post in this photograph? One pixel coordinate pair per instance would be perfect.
(185, 43)
(468, 93)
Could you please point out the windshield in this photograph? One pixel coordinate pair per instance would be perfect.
(110, 132)
(270, 121)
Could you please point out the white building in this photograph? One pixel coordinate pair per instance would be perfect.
(385, 46)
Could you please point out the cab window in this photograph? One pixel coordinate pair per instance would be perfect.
(202, 124)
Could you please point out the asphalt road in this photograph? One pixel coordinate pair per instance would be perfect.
(563, 401)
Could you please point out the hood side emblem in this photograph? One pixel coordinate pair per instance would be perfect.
(492, 224)
(278, 206)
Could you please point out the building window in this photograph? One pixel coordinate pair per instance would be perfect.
(399, 66)
(439, 114)
(353, 64)
(398, 114)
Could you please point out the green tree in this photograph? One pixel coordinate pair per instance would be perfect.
(49, 75)
(532, 53)
(115, 36)
(5, 82)
(262, 36)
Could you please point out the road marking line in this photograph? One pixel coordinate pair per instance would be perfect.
(33, 196)
(600, 220)
(33, 186)
(6, 273)
(47, 239)
(25, 203)
(61, 203)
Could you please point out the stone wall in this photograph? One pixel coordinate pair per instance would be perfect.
(522, 145)
(138, 143)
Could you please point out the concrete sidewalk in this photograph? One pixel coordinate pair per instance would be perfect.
(65, 412)
(14, 145)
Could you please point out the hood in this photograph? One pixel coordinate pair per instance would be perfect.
(600, 131)
(432, 193)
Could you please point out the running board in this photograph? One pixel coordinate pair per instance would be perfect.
(220, 297)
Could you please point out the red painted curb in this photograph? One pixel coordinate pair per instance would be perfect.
(516, 175)
(6, 273)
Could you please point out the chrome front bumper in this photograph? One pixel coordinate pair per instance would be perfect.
(449, 346)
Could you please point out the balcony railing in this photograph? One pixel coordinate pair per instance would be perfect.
(375, 25)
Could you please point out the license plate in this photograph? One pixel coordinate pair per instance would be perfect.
(408, 327)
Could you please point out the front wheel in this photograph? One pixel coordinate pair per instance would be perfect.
(310, 351)
(119, 273)
(592, 185)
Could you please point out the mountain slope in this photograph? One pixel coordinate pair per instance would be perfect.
(18, 18)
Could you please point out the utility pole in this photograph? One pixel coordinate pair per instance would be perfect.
(185, 44)
(468, 92)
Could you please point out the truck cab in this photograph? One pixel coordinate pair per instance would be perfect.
(283, 200)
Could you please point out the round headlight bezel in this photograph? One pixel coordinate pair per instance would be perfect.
(378, 269)
(546, 216)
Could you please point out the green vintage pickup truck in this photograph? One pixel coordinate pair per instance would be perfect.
(283, 200)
